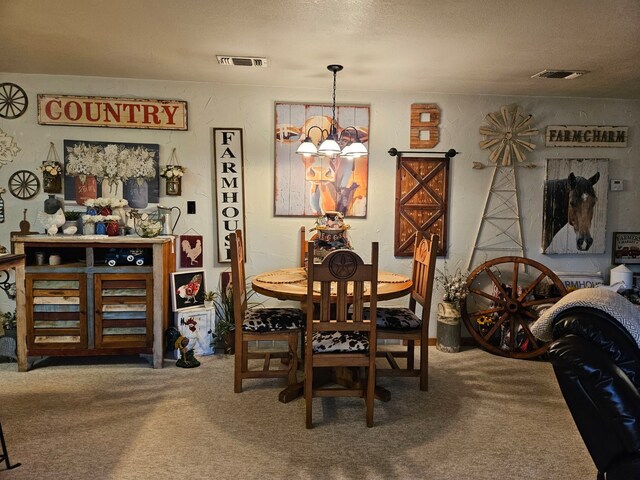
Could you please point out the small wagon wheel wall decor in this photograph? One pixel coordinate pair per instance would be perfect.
(13, 101)
(506, 295)
(24, 184)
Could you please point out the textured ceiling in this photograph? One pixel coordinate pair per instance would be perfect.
(461, 46)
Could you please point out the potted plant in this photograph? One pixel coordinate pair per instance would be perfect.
(225, 323)
(454, 290)
(73, 219)
(9, 321)
(209, 297)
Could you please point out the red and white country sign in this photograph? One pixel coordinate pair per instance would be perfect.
(112, 112)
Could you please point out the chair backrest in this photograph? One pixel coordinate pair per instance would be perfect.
(343, 279)
(423, 272)
(303, 245)
(238, 283)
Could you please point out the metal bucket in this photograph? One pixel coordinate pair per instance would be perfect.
(448, 328)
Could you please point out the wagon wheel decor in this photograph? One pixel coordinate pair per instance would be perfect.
(24, 185)
(13, 101)
(506, 295)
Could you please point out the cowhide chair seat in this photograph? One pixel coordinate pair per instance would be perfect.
(273, 319)
(340, 342)
(395, 318)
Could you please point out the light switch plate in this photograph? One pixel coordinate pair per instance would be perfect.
(191, 207)
(616, 186)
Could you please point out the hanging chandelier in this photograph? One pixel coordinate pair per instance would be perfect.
(329, 143)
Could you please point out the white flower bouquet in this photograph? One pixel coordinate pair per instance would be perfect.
(118, 202)
(99, 218)
(453, 285)
(51, 167)
(172, 171)
(81, 161)
(106, 202)
(139, 164)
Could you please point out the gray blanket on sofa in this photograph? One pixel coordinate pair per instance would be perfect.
(625, 312)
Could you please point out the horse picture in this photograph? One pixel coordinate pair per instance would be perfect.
(574, 215)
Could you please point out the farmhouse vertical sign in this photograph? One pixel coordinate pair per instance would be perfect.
(229, 184)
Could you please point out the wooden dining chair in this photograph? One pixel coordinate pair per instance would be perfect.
(404, 323)
(334, 337)
(257, 324)
(303, 245)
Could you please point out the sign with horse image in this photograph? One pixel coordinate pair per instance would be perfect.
(575, 206)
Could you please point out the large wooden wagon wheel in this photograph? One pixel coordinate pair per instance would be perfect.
(506, 295)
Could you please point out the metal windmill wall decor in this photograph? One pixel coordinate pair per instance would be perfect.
(500, 229)
(505, 135)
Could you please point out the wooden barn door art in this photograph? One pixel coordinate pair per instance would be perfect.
(422, 185)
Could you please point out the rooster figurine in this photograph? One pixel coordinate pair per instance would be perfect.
(189, 290)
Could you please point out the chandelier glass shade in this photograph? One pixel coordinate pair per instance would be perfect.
(329, 143)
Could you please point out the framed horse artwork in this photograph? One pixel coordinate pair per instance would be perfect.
(575, 206)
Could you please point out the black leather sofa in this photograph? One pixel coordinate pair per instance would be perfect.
(597, 364)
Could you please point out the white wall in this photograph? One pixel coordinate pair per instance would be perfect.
(272, 242)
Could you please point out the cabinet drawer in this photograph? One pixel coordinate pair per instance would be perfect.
(56, 313)
(123, 310)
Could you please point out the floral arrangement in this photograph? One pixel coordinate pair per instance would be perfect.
(9, 320)
(113, 163)
(99, 218)
(106, 202)
(148, 227)
(138, 164)
(453, 285)
(81, 161)
(172, 171)
(53, 168)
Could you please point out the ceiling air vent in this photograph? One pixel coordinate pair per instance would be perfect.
(242, 61)
(565, 74)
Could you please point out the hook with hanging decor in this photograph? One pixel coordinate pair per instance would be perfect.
(173, 172)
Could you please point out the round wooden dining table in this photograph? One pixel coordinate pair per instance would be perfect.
(291, 284)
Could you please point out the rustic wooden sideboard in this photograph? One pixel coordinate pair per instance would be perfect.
(93, 295)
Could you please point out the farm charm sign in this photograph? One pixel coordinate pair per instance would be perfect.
(586, 136)
(112, 112)
(229, 185)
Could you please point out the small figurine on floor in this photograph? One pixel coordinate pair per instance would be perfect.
(176, 341)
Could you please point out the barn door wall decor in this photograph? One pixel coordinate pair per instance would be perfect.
(422, 186)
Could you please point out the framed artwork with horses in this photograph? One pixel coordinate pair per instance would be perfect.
(575, 206)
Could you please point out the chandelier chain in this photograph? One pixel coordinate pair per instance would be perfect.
(333, 125)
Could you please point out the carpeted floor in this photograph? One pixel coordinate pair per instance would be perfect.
(484, 417)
